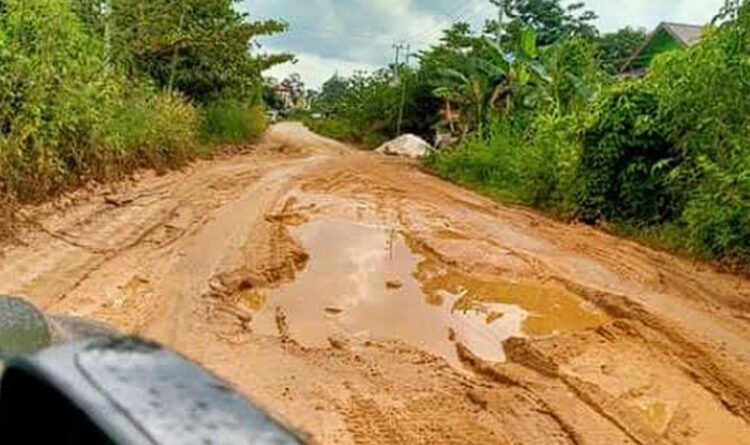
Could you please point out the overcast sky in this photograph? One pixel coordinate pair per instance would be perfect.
(330, 36)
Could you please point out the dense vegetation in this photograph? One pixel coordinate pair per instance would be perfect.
(367, 109)
(542, 121)
(92, 89)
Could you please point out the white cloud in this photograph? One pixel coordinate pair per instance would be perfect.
(649, 13)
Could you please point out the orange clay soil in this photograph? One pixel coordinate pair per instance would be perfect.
(366, 302)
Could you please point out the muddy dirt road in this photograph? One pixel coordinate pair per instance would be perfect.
(367, 302)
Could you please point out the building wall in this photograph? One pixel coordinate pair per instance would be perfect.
(662, 42)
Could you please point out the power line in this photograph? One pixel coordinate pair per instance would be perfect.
(329, 33)
(422, 37)
(466, 16)
(418, 40)
(403, 92)
(450, 16)
(469, 11)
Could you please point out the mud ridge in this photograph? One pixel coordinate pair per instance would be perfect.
(707, 368)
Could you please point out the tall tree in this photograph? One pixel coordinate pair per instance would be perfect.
(332, 94)
(199, 47)
(296, 86)
(550, 20)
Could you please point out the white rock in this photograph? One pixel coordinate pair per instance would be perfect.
(408, 145)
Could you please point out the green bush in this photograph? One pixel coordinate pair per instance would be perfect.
(55, 96)
(624, 174)
(232, 121)
(717, 218)
(67, 115)
(151, 130)
(491, 165)
(336, 128)
(365, 109)
(535, 167)
(550, 160)
(705, 111)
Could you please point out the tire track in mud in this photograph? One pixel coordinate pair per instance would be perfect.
(194, 258)
(704, 361)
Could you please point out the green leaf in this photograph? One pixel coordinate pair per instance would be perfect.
(528, 42)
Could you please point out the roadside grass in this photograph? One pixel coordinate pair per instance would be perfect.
(334, 128)
(70, 115)
(158, 132)
(146, 130)
(342, 130)
(545, 170)
(483, 173)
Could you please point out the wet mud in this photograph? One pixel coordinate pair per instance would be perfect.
(364, 301)
(367, 281)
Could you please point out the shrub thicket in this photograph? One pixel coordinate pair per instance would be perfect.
(370, 109)
(626, 162)
(705, 112)
(78, 103)
(673, 149)
(56, 100)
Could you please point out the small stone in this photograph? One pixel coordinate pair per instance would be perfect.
(451, 335)
(394, 284)
(337, 343)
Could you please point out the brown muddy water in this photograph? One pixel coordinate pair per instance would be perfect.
(369, 282)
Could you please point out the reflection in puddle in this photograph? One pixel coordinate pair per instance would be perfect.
(656, 415)
(350, 288)
(540, 309)
(253, 299)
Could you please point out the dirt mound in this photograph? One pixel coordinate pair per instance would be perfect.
(408, 145)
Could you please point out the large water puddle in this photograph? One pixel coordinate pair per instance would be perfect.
(365, 281)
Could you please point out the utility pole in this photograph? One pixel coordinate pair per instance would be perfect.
(501, 6)
(176, 52)
(403, 95)
(500, 18)
(397, 66)
(398, 49)
(104, 10)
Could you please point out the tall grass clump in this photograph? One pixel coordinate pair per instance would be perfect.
(491, 164)
(151, 130)
(232, 121)
(55, 97)
(67, 115)
(533, 164)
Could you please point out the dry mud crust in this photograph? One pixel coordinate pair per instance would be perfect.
(449, 318)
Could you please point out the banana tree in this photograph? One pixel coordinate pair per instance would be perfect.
(485, 80)
(449, 97)
(472, 87)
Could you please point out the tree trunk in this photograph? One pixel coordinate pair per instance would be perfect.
(175, 55)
